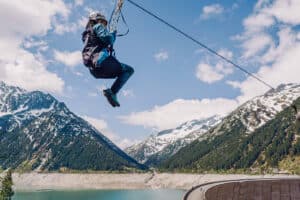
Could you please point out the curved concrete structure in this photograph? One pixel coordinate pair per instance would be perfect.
(250, 189)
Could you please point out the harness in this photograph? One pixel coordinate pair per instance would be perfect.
(92, 47)
(110, 67)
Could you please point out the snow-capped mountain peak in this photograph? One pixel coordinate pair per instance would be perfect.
(14, 100)
(252, 114)
(261, 109)
(39, 132)
(173, 139)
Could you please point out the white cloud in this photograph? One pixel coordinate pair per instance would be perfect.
(102, 126)
(99, 90)
(256, 36)
(234, 84)
(261, 3)
(81, 23)
(284, 70)
(161, 56)
(278, 54)
(29, 72)
(255, 39)
(209, 73)
(61, 28)
(211, 11)
(287, 38)
(179, 111)
(128, 93)
(258, 22)
(39, 44)
(285, 11)
(226, 53)
(70, 59)
(255, 44)
(34, 18)
(206, 73)
(18, 65)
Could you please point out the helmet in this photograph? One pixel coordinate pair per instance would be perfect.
(97, 16)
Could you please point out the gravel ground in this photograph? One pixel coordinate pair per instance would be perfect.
(60, 181)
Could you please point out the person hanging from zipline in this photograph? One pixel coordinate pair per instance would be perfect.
(98, 56)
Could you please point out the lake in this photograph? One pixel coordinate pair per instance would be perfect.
(101, 195)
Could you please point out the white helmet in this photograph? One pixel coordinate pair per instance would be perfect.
(97, 16)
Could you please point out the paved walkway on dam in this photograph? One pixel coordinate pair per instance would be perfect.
(257, 189)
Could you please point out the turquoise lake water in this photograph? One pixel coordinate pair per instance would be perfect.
(101, 195)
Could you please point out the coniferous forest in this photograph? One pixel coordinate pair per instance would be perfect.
(266, 148)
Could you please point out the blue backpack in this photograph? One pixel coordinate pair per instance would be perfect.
(92, 46)
(110, 67)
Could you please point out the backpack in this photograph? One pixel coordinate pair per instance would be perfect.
(92, 46)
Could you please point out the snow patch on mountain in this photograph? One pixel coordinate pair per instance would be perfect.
(253, 114)
(179, 137)
(256, 112)
(42, 126)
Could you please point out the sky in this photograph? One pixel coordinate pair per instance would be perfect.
(175, 80)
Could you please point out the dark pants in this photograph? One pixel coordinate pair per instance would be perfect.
(111, 68)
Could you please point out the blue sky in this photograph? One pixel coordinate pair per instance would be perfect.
(175, 80)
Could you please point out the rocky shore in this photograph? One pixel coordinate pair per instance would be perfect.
(61, 181)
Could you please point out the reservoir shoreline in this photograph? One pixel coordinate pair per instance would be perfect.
(66, 181)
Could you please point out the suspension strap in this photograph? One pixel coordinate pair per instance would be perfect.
(124, 21)
(115, 15)
(114, 19)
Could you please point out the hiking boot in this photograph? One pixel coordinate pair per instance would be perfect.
(111, 98)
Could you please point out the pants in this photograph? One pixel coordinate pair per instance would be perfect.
(112, 68)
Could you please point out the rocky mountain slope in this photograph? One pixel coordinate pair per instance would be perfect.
(166, 143)
(37, 132)
(260, 134)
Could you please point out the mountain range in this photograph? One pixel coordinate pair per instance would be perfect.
(37, 132)
(164, 144)
(260, 135)
(216, 138)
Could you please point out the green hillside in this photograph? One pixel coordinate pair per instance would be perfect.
(273, 145)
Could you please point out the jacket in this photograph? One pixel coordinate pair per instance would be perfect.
(106, 37)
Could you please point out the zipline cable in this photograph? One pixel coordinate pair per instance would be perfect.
(199, 43)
